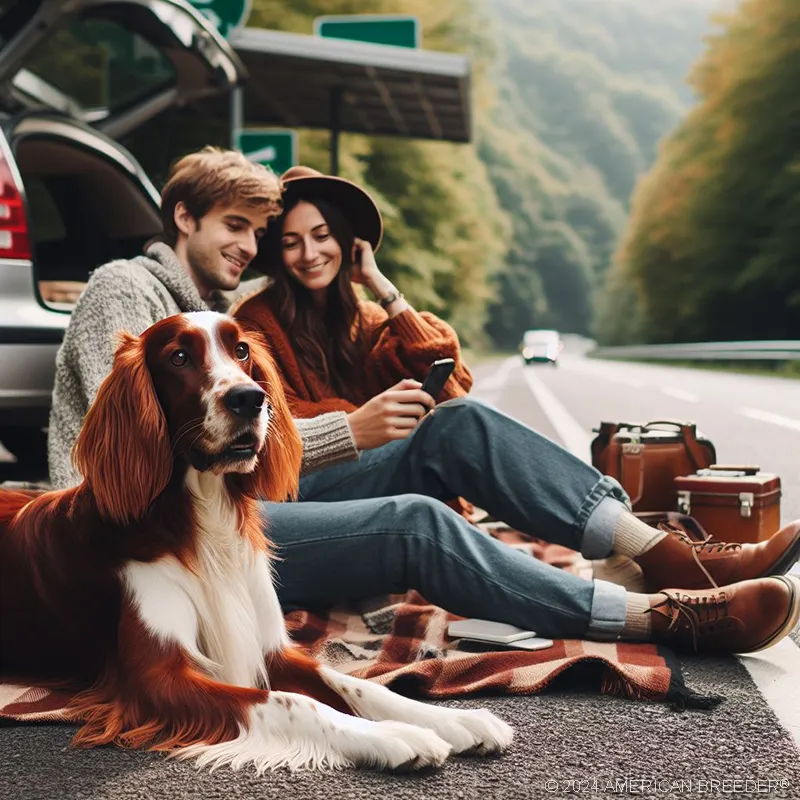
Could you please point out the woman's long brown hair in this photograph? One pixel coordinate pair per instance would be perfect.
(335, 345)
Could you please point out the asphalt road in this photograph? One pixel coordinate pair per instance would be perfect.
(588, 744)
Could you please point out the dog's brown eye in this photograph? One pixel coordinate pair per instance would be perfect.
(242, 351)
(179, 358)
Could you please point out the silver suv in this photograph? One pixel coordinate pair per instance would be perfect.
(72, 76)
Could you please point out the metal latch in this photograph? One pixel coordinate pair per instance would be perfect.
(631, 448)
(685, 501)
(746, 500)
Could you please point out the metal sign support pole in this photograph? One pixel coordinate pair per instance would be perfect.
(336, 102)
(237, 114)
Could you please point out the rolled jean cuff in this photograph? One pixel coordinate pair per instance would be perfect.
(598, 532)
(609, 604)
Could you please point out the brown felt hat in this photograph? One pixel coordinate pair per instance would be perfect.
(357, 206)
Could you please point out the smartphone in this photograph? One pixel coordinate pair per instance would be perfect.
(437, 376)
(487, 631)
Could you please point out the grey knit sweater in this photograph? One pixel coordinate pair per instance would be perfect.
(131, 295)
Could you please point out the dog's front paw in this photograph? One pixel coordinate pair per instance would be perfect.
(476, 732)
(401, 747)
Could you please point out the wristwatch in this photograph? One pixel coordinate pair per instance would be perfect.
(385, 302)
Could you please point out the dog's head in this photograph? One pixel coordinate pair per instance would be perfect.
(193, 389)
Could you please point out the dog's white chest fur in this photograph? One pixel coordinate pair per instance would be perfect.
(228, 618)
(224, 611)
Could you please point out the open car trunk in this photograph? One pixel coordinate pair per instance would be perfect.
(86, 204)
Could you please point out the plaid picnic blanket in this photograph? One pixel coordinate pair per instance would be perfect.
(401, 641)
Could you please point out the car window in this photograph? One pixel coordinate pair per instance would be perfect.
(99, 65)
(540, 337)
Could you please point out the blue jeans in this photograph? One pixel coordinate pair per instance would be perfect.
(376, 526)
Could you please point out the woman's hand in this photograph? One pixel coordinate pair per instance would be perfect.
(366, 272)
(389, 416)
(365, 268)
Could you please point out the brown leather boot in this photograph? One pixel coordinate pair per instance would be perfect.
(740, 618)
(679, 560)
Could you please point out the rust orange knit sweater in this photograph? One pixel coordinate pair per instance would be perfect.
(404, 347)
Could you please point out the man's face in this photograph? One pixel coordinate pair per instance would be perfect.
(219, 246)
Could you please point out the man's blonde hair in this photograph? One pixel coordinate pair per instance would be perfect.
(212, 177)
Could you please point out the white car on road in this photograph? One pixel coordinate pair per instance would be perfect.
(541, 346)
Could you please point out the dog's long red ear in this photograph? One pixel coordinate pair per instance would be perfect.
(123, 449)
(277, 473)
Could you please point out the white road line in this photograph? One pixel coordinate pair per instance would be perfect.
(680, 394)
(573, 435)
(774, 672)
(767, 416)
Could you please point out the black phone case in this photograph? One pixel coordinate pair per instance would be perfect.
(436, 378)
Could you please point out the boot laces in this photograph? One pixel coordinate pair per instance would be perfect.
(706, 546)
(709, 612)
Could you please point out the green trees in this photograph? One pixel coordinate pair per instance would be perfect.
(713, 248)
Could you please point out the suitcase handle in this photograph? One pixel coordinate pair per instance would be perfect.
(676, 423)
(612, 427)
(748, 469)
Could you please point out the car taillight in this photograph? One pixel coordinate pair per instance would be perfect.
(14, 239)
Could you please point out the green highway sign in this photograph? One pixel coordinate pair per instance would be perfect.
(225, 14)
(392, 29)
(273, 147)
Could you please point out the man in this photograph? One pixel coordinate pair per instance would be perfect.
(215, 208)
(371, 523)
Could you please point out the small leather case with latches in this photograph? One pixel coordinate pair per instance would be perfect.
(733, 503)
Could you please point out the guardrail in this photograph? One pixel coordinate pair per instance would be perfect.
(706, 351)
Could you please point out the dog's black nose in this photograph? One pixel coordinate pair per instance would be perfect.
(245, 401)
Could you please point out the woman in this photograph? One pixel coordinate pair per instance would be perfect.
(334, 351)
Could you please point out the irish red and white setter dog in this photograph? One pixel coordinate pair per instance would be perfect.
(149, 586)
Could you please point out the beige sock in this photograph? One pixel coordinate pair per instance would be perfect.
(620, 570)
(632, 537)
(637, 625)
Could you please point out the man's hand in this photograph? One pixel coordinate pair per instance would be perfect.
(389, 416)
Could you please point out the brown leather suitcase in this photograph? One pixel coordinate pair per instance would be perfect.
(732, 503)
(647, 457)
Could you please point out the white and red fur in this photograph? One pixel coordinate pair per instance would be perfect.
(149, 589)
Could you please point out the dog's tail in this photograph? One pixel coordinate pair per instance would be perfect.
(177, 708)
